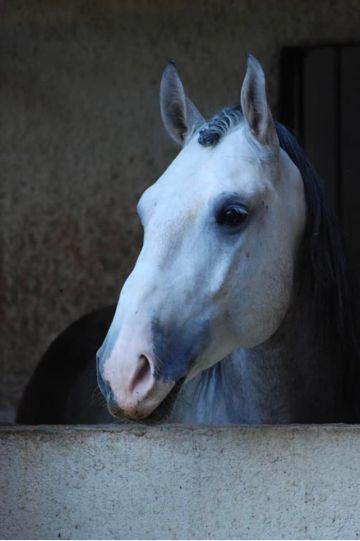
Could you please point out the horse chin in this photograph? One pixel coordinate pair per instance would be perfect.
(195, 371)
(161, 414)
(201, 365)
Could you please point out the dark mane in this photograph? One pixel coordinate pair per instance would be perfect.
(323, 263)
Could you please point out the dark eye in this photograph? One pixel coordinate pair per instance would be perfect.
(232, 216)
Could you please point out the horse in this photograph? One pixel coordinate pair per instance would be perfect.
(239, 307)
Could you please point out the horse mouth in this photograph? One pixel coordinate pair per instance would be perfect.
(160, 414)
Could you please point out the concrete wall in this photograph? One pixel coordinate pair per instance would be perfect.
(81, 137)
(270, 482)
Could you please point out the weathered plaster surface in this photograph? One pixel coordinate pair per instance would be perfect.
(81, 137)
(269, 482)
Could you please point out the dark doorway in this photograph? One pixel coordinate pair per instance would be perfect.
(320, 101)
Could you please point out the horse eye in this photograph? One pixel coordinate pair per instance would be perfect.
(232, 216)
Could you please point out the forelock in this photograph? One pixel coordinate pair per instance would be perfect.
(219, 125)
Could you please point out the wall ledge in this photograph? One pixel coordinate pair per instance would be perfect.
(169, 481)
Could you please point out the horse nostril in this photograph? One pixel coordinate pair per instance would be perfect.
(143, 372)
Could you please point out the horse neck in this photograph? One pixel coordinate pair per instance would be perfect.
(292, 377)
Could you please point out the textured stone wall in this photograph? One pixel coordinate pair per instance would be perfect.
(180, 483)
(81, 137)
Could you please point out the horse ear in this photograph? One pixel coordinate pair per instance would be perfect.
(179, 114)
(255, 106)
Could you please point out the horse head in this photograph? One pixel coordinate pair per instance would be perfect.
(222, 227)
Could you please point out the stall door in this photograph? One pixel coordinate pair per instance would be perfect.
(320, 100)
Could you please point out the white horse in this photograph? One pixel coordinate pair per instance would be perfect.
(239, 261)
(237, 310)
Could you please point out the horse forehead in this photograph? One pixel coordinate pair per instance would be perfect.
(230, 155)
(201, 171)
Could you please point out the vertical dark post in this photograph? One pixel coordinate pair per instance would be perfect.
(291, 91)
(286, 99)
(338, 134)
(300, 97)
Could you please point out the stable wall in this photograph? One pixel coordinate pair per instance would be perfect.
(81, 137)
(171, 482)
